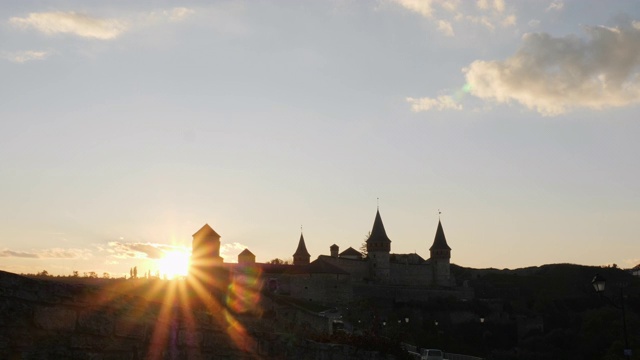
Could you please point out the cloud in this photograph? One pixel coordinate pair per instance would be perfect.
(509, 21)
(445, 27)
(555, 74)
(141, 250)
(59, 253)
(179, 14)
(92, 27)
(534, 23)
(55, 253)
(450, 5)
(555, 6)
(20, 254)
(230, 251)
(443, 13)
(138, 250)
(422, 7)
(72, 23)
(24, 56)
(498, 5)
(443, 102)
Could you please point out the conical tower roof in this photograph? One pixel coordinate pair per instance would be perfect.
(206, 230)
(302, 248)
(378, 234)
(440, 241)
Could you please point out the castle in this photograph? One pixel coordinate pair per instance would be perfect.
(339, 277)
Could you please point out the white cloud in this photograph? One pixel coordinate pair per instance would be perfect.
(230, 251)
(137, 250)
(443, 102)
(59, 253)
(72, 23)
(445, 27)
(20, 254)
(166, 15)
(553, 75)
(487, 13)
(55, 253)
(422, 7)
(481, 20)
(555, 6)
(534, 23)
(179, 14)
(87, 26)
(24, 56)
(498, 5)
(509, 21)
(451, 5)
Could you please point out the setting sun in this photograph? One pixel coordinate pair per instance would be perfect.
(175, 263)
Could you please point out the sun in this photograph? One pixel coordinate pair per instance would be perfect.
(174, 264)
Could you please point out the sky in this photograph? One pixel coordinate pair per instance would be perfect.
(126, 126)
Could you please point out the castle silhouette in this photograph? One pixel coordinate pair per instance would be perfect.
(339, 277)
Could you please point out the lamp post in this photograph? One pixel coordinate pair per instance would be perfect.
(598, 284)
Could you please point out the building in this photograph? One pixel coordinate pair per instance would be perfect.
(339, 277)
(380, 266)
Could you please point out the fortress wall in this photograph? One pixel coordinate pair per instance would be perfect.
(405, 294)
(359, 269)
(410, 274)
(322, 288)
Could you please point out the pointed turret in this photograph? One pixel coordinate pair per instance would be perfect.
(378, 239)
(440, 249)
(440, 258)
(301, 256)
(378, 248)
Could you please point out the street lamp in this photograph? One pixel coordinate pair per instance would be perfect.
(598, 284)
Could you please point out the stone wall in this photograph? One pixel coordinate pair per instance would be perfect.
(411, 274)
(322, 288)
(359, 269)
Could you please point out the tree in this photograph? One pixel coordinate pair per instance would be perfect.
(105, 275)
(75, 273)
(135, 272)
(278, 261)
(363, 247)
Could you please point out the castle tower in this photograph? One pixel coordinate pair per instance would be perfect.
(205, 256)
(440, 257)
(301, 256)
(205, 247)
(334, 249)
(378, 248)
(246, 257)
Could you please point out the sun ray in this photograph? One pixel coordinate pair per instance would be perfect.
(174, 263)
